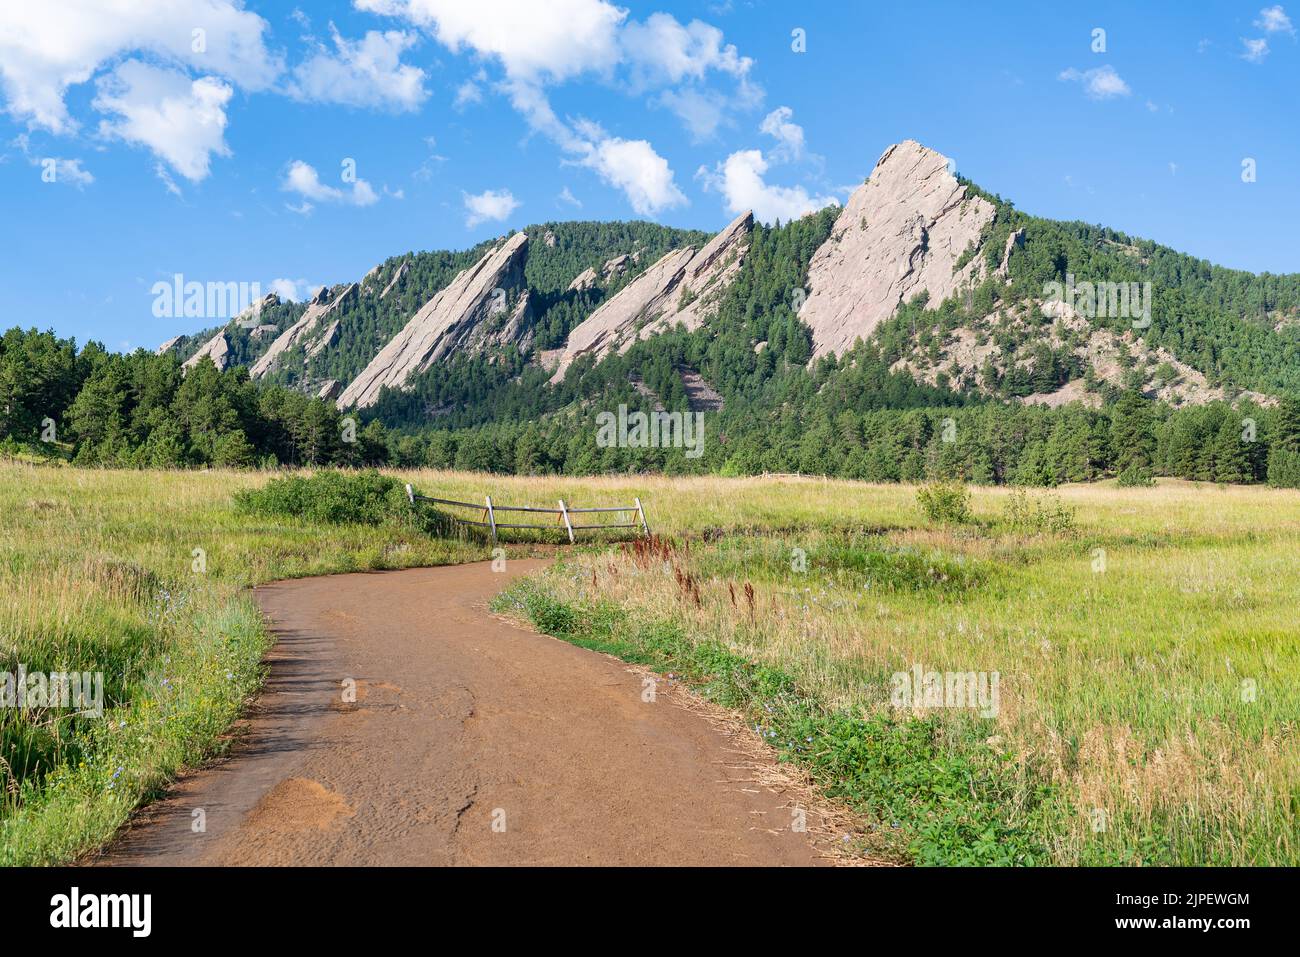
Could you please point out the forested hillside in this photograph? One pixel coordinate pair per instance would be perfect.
(990, 385)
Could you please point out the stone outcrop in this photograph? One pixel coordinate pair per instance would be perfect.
(398, 275)
(584, 280)
(305, 330)
(901, 233)
(168, 346)
(329, 390)
(249, 317)
(615, 267)
(682, 287)
(217, 349)
(465, 316)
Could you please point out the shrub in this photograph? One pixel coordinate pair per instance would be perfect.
(945, 502)
(1024, 513)
(337, 498)
(1135, 476)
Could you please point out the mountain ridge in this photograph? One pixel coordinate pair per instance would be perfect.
(912, 230)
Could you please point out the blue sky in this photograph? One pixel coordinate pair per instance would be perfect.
(222, 156)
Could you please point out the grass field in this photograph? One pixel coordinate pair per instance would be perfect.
(1148, 669)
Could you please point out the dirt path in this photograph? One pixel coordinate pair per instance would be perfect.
(471, 741)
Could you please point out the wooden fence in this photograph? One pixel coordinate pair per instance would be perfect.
(488, 516)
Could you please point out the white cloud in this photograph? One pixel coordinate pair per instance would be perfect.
(67, 171)
(1255, 50)
(701, 111)
(740, 179)
(47, 47)
(634, 167)
(470, 92)
(54, 169)
(160, 171)
(1102, 83)
(788, 134)
(293, 290)
(303, 179)
(491, 205)
(539, 42)
(567, 197)
(368, 73)
(182, 121)
(1274, 20)
(662, 50)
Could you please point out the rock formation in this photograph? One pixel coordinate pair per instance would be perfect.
(901, 233)
(168, 346)
(398, 275)
(682, 287)
(584, 280)
(465, 316)
(248, 318)
(217, 349)
(303, 330)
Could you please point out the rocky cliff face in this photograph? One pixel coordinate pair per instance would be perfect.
(682, 287)
(310, 329)
(901, 232)
(217, 349)
(470, 314)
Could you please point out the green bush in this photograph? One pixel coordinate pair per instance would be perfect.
(947, 503)
(338, 498)
(1024, 513)
(1136, 476)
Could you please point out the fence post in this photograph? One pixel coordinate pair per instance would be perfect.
(565, 512)
(410, 493)
(641, 512)
(492, 519)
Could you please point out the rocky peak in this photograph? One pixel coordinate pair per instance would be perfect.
(464, 316)
(682, 287)
(901, 233)
(320, 307)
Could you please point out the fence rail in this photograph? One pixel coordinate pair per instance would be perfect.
(489, 511)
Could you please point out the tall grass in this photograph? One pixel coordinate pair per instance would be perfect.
(1144, 638)
(142, 576)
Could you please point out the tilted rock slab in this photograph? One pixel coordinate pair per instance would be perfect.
(902, 232)
(463, 316)
(398, 275)
(319, 308)
(217, 349)
(168, 346)
(653, 302)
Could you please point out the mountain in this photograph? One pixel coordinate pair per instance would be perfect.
(927, 327)
(902, 233)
